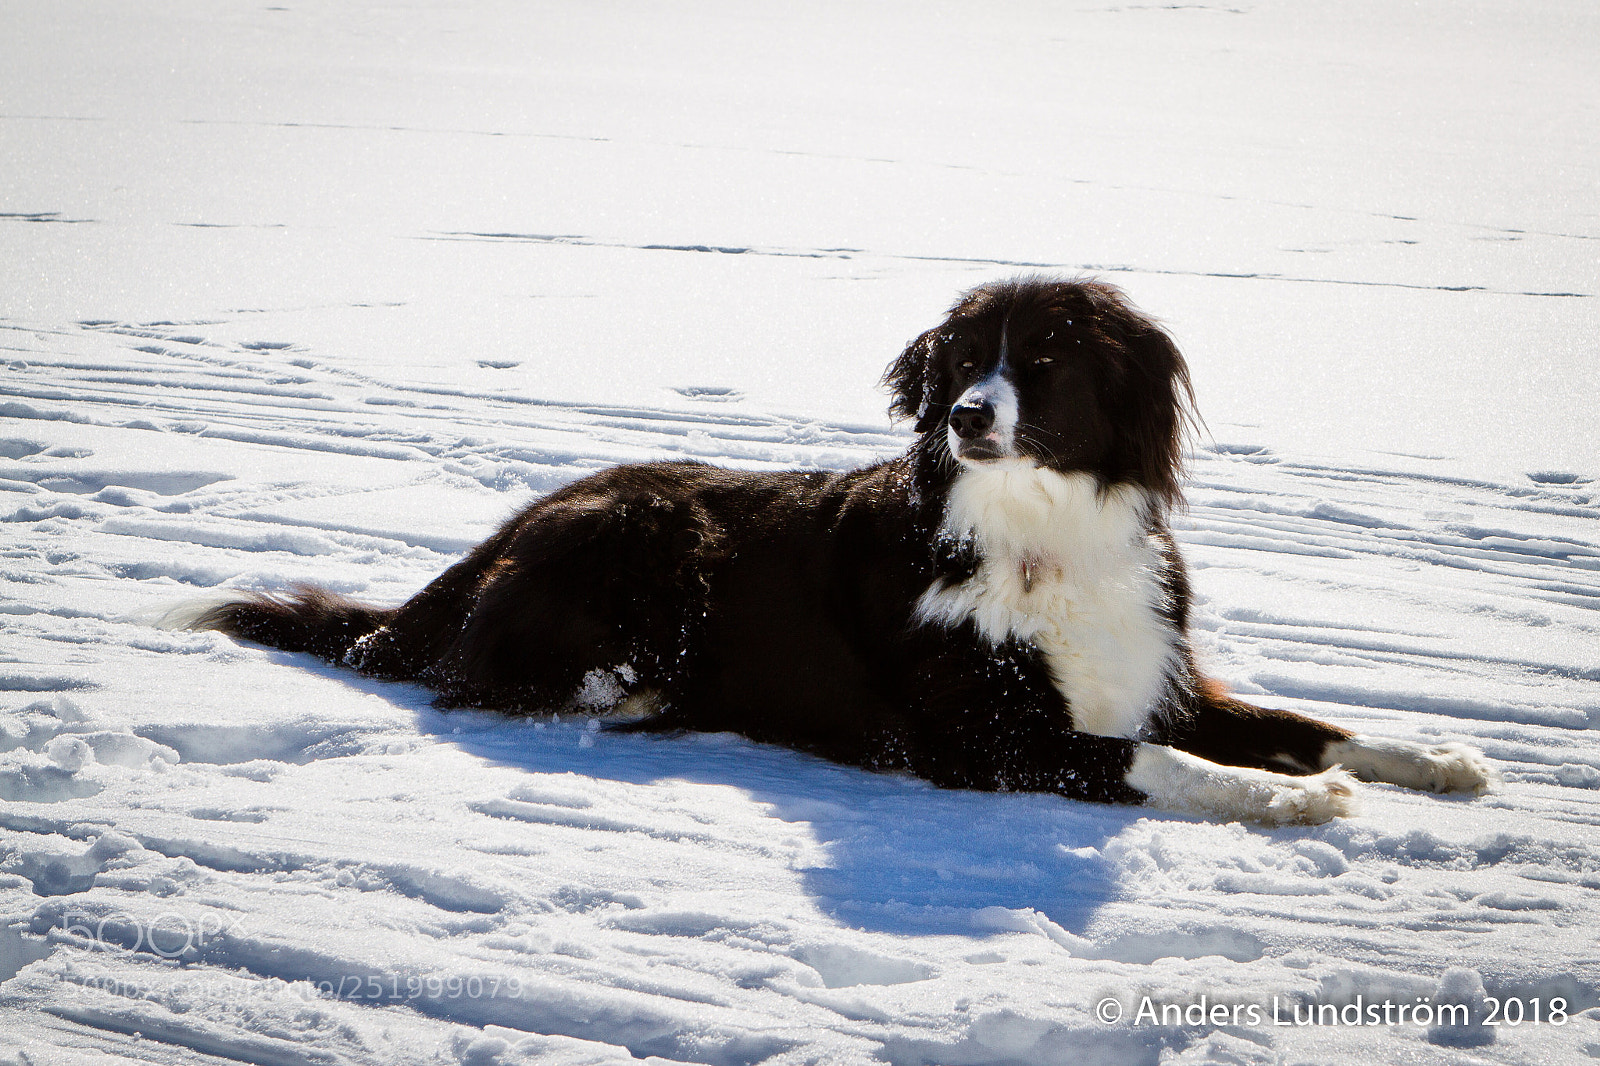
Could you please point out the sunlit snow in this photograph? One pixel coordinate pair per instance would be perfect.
(322, 292)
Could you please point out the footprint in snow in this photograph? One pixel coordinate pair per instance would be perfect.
(1557, 478)
(20, 449)
(709, 393)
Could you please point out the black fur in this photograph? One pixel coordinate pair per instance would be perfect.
(780, 605)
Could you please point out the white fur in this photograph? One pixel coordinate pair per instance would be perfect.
(1449, 767)
(999, 393)
(185, 614)
(1071, 571)
(1178, 781)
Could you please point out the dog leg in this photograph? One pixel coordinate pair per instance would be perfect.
(1178, 781)
(1218, 727)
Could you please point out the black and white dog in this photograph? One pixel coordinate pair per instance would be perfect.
(1001, 607)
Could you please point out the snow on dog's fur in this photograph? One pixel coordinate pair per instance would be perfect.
(1001, 607)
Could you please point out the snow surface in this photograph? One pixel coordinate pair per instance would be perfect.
(322, 292)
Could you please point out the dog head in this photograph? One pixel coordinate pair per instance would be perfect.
(1062, 374)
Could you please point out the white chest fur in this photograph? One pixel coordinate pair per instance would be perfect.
(1071, 571)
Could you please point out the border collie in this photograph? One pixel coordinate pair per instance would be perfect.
(1001, 607)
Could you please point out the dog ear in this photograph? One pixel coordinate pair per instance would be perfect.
(914, 379)
(1155, 409)
(1160, 411)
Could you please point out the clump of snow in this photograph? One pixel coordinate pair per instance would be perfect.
(1469, 1023)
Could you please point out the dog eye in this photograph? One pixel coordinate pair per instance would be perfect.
(967, 364)
(1043, 360)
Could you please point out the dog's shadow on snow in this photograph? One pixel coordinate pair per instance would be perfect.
(885, 852)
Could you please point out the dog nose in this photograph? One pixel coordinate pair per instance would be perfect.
(972, 420)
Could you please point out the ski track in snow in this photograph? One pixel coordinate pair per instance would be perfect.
(581, 241)
(241, 854)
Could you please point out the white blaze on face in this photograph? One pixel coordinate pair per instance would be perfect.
(997, 390)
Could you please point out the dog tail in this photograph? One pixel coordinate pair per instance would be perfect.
(307, 619)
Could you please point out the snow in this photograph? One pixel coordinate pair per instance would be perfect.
(321, 293)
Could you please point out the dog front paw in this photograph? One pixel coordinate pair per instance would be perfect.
(1450, 767)
(1311, 800)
